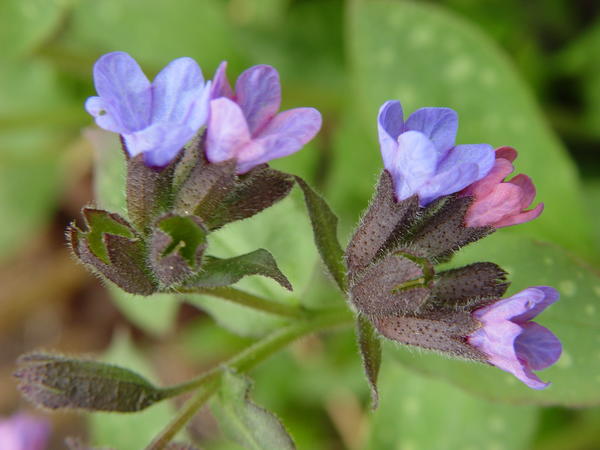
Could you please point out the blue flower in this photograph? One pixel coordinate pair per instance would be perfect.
(511, 341)
(420, 154)
(155, 119)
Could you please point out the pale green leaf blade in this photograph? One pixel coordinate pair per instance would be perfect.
(420, 413)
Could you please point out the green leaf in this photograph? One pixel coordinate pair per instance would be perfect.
(574, 319)
(420, 413)
(324, 224)
(285, 231)
(155, 314)
(24, 24)
(201, 32)
(245, 422)
(128, 431)
(99, 223)
(425, 56)
(369, 346)
(31, 150)
(223, 272)
(59, 382)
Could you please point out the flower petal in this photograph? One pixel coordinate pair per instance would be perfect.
(220, 83)
(508, 153)
(284, 135)
(175, 90)
(96, 107)
(525, 216)
(227, 130)
(527, 189)
(481, 154)
(258, 92)
(416, 157)
(502, 202)
(537, 346)
(496, 340)
(438, 124)
(446, 183)
(537, 299)
(390, 124)
(125, 91)
(485, 186)
(160, 143)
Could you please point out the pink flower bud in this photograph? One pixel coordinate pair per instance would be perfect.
(501, 203)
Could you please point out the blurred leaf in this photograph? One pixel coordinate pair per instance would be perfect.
(30, 158)
(305, 31)
(582, 57)
(155, 314)
(109, 170)
(128, 431)
(24, 24)
(153, 31)
(245, 422)
(324, 225)
(423, 56)
(574, 319)
(420, 413)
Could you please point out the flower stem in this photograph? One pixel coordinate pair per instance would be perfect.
(209, 382)
(250, 300)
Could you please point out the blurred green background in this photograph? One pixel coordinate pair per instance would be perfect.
(524, 74)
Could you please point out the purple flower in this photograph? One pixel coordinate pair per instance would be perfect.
(24, 432)
(421, 156)
(245, 125)
(511, 341)
(156, 119)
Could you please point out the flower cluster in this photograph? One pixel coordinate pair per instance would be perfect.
(197, 160)
(433, 198)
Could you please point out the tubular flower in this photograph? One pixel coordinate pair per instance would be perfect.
(420, 154)
(245, 125)
(511, 341)
(501, 203)
(156, 119)
(24, 432)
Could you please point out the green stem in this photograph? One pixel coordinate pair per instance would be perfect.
(250, 300)
(209, 382)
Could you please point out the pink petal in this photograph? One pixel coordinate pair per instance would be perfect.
(258, 93)
(502, 167)
(284, 135)
(502, 202)
(227, 130)
(508, 153)
(527, 189)
(523, 217)
(220, 83)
